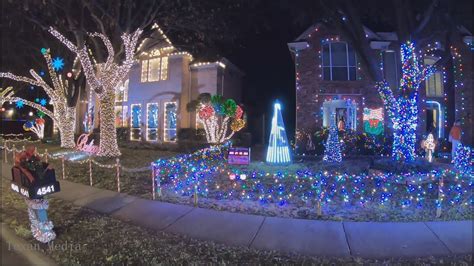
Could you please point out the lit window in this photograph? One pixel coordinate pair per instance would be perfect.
(121, 116)
(152, 121)
(338, 61)
(135, 121)
(170, 121)
(434, 83)
(154, 69)
(345, 112)
(121, 92)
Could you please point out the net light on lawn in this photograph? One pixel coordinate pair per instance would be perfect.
(278, 149)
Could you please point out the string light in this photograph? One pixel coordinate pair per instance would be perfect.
(103, 78)
(278, 150)
(196, 173)
(403, 110)
(216, 115)
(333, 151)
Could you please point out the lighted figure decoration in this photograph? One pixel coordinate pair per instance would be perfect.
(309, 144)
(462, 161)
(103, 78)
(57, 63)
(278, 150)
(216, 113)
(332, 151)
(61, 94)
(19, 104)
(82, 144)
(373, 121)
(403, 109)
(37, 127)
(429, 145)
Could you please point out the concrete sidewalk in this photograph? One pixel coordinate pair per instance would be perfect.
(307, 237)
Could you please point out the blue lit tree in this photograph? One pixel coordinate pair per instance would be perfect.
(332, 151)
(278, 148)
(403, 109)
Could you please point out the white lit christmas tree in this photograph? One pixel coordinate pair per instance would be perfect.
(332, 151)
(278, 149)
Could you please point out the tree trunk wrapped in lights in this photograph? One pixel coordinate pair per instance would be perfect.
(63, 96)
(103, 78)
(403, 110)
(216, 113)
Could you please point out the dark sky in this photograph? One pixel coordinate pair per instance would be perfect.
(264, 57)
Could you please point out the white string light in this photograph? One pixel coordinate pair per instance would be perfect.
(103, 78)
(63, 116)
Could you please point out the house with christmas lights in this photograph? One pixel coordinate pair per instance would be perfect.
(333, 80)
(151, 101)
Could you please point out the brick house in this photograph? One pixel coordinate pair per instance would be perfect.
(151, 100)
(332, 83)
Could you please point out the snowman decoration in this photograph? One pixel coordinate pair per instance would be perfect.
(429, 145)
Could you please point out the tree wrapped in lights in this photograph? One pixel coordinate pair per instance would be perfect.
(216, 114)
(403, 110)
(333, 150)
(103, 78)
(278, 150)
(63, 94)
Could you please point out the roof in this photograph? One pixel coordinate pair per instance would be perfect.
(159, 42)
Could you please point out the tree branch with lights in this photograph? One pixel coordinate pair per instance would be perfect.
(103, 78)
(216, 114)
(62, 94)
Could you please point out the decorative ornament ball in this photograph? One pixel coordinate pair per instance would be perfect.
(232, 176)
(28, 125)
(44, 50)
(39, 121)
(206, 112)
(239, 112)
(243, 176)
(237, 124)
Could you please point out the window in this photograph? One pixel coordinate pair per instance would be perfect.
(390, 69)
(121, 92)
(154, 69)
(135, 121)
(121, 116)
(170, 121)
(338, 61)
(152, 121)
(434, 84)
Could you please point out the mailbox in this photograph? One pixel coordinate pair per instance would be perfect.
(36, 189)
